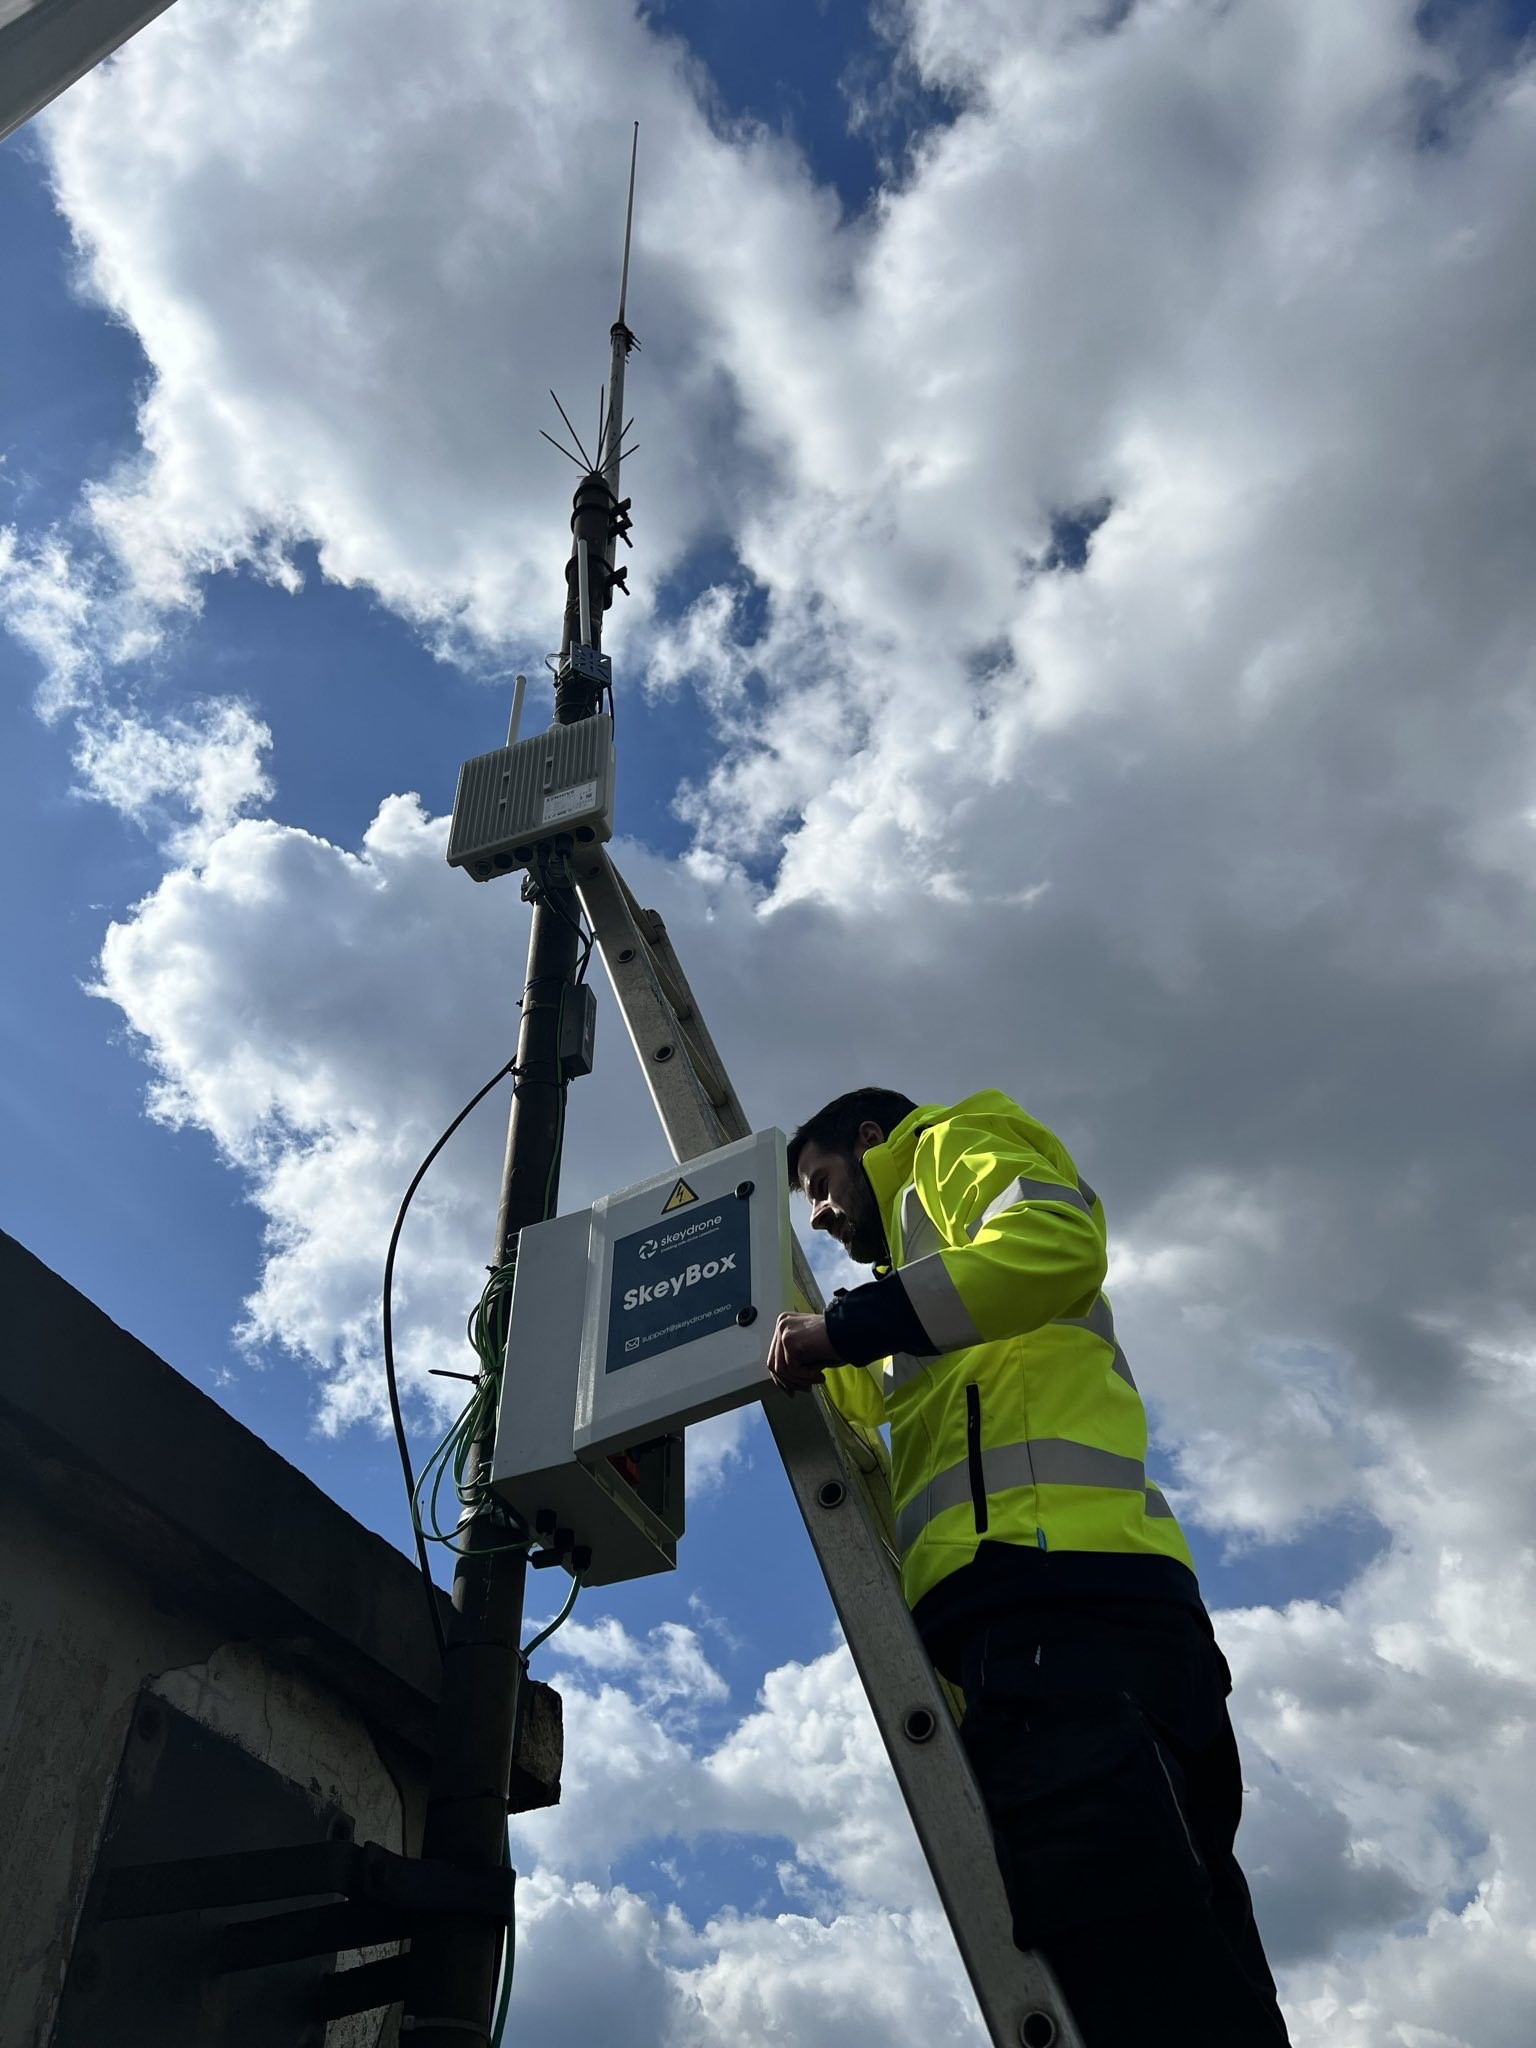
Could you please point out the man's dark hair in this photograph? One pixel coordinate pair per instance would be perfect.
(836, 1128)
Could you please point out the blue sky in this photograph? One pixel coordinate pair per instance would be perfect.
(926, 784)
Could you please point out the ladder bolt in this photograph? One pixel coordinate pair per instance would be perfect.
(662, 1052)
(626, 954)
(1037, 2030)
(918, 1727)
(832, 1494)
(744, 1188)
(746, 1315)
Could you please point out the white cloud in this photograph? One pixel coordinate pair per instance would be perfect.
(809, 1763)
(862, 1978)
(667, 1671)
(47, 606)
(241, 977)
(871, 1960)
(204, 769)
(372, 372)
(805, 1765)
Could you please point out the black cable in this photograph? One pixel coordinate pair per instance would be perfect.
(389, 1345)
(542, 893)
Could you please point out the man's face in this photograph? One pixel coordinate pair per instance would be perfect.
(842, 1200)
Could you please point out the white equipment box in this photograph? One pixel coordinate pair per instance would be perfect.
(651, 1310)
(509, 802)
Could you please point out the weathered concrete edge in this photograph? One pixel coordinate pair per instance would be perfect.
(119, 1442)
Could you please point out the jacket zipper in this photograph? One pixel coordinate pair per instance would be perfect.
(973, 1457)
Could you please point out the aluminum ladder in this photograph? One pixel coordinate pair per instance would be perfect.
(840, 1482)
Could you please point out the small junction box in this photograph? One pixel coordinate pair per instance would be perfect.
(651, 1310)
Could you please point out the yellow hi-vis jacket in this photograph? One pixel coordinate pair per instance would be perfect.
(1014, 1417)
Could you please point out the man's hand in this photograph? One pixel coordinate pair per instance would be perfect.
(799, 1350)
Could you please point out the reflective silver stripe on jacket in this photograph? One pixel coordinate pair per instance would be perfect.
(919, 1232)
(946, 1320)
(1034, 1191)
(935, 1298)
(1100, 1319)
(1039, 1461)
(1156, 1504)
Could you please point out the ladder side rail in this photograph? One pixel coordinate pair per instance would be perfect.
(675, 982)
(1019, 1999)
(660, 1012)
(840, 1487)
(692, 1122)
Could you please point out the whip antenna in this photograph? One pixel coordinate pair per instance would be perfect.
(620, 339)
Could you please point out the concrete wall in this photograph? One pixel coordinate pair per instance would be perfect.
(79, 1636)
(148, 1540)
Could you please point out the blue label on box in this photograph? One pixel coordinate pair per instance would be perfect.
(683, 1277)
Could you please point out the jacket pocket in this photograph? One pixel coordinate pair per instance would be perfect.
(973, 1457)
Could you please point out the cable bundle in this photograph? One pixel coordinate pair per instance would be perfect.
(477, 1424)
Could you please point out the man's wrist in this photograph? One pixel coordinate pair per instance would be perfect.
(875, 1321)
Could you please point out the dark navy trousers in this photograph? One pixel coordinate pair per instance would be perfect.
(1100, 1737)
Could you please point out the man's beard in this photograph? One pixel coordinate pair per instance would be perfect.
(866, 1233)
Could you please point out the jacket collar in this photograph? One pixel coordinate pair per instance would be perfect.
(888, 1167)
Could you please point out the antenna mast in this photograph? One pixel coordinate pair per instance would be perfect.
(455, 1956)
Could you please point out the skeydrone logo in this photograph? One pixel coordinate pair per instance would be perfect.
(671, 1239)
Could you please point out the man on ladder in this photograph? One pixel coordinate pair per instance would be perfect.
(1049, 1580)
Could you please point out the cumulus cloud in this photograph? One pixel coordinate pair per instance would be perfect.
(860, 1977)
(1121, 692)
(47, 606)
(254, 981)
(864, 1955)
(192, 775)
(669, 1670)
(805, 1765)
(371, 373)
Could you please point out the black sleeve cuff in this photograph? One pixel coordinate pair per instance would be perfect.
(876, 1321)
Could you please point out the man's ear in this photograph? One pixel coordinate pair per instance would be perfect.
(869, 1134)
